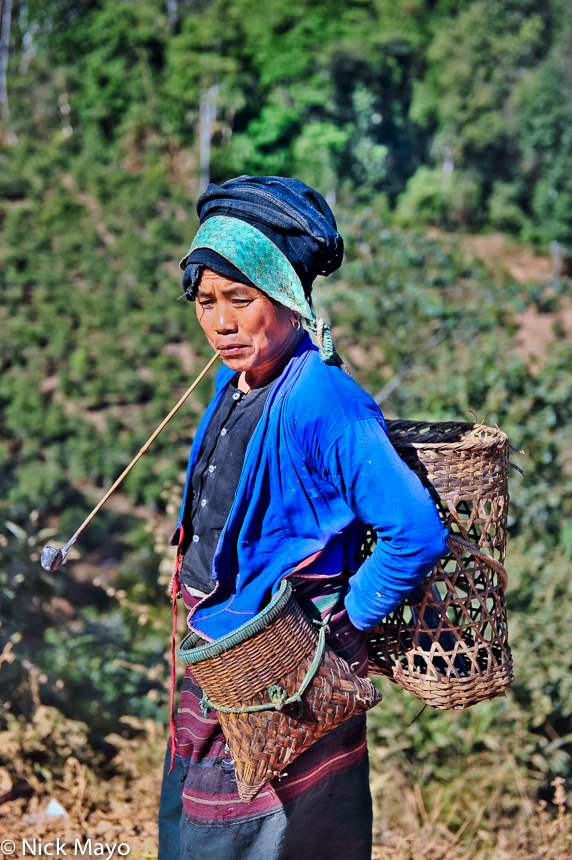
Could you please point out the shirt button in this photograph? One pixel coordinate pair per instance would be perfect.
(236, 396)
(223, 431)
(195, 538)
(203, 503)
(212, 468)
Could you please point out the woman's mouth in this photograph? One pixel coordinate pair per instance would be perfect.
(232, 349)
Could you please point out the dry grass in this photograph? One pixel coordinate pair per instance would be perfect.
(497, 827)
(489, 814)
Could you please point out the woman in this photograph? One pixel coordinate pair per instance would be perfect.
(290, 462)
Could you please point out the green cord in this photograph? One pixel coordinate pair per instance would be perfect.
(278, 696)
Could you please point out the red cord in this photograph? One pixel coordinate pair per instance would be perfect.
(174, 594)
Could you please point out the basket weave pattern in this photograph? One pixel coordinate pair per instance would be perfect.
(447, 644)
(236, 675)
(458, 655)
(262, 745)
(280, 654)
(465, 467)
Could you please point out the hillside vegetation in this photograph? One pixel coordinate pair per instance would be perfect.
(430, 126)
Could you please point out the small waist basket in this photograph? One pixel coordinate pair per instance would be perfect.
(447, 643)
(276, 687)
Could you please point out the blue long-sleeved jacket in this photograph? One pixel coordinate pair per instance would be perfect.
(318, 467)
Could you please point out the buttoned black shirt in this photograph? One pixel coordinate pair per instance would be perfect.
(215, 479)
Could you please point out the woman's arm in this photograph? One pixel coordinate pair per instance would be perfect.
(383, 492)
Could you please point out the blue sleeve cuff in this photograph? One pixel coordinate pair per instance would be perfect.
(367, 610)
(368, 602)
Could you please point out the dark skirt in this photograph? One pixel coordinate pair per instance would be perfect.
(332, 820)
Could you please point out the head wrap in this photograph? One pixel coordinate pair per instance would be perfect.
(269, 232)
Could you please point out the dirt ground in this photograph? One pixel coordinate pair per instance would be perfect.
(117, 815)
(90, 809)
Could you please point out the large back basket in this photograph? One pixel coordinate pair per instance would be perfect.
(447, 643)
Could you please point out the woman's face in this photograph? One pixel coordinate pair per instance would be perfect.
(253, 333)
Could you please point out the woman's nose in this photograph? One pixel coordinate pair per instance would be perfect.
(225, 321)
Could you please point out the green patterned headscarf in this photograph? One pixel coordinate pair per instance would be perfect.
(250, 251)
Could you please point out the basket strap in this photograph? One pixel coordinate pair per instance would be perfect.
(459, 543)
(278, 696)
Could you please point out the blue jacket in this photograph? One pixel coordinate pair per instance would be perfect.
(318, 467)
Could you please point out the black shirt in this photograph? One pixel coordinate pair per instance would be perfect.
(215, 479)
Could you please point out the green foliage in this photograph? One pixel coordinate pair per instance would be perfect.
(492, 94)
(505, 213)
(474, 62)
(108, 658)
(547, 146)
(439, 198)
(353, 97)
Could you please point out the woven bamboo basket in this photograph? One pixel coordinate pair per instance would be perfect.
(447, 643)
(276, 687)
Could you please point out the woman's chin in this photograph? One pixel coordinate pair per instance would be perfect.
(238, 361)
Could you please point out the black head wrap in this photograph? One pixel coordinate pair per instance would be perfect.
(292, 215)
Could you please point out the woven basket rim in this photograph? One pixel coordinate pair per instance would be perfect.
(190, 655)
(471, 438)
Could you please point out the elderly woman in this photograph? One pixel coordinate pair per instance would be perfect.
(290, 464)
